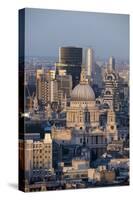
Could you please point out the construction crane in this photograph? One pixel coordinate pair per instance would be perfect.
(31, 100)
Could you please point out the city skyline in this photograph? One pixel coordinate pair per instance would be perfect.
(43, 35)
(73, 117)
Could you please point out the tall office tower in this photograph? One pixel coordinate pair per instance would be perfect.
(70, 59)
(42, 90)
(97, 76)
(70, 55)
(64, 85)
(89, 61)
(46, 88)
(111, 64)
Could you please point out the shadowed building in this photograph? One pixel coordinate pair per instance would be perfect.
(70, 60)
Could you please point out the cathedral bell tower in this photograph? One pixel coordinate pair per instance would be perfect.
(111, 128)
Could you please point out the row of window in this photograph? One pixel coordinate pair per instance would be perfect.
(94, 140)
(46, 157)
(42, 155)
(41, 145)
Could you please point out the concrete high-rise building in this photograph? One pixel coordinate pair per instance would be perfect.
(50, 90)
(97, 76)
(111, 64)
(43, 88)
(65, 85)
(42, 153)
(35, 153)
(89, 61)
(46, 87)
(70, 60)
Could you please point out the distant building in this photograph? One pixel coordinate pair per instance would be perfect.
(111, 64)
(119, 163)
(70, 60)
(70, 55)
(101, 175)
(89, 62)
(115, 146)
(64, 84)
(97, 76)
(46, 87)
(124, 74)
(43, 88)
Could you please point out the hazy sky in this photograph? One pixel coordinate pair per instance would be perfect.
(47, 30)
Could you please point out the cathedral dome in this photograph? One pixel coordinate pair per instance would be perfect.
(83, 92)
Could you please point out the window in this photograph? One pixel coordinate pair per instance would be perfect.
(97, 102)
(110, 78)
(108, 93)
(112, 127)
(80, 140)
(87, 117)
(96, 139)
(92, 142)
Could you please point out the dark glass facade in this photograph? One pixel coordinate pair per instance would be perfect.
(70, 59)
(70, 55)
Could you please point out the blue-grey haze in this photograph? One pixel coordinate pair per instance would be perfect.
(47, 30)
